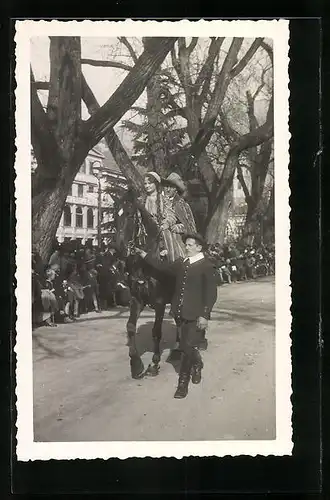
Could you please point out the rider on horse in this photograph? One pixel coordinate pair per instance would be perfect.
(159, 206)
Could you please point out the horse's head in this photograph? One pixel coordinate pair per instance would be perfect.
(135, 226)
(126, 224)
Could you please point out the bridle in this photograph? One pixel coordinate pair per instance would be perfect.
(139, 236)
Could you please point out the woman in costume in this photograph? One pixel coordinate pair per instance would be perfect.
(160, 208)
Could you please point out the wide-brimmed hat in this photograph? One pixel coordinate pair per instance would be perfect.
(195, 236)
(154, 175)
(176, 181)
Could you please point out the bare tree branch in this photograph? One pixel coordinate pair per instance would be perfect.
(247, 56)
(262, 84)
(185, 79)
(176, 66)
(41, 85)
(64, 96)
(127, 92)
(192, 44)
(178, 111)
(113, 142)
(107, 64)
(208, 76)
(207, 67)
(127, 44)
(222, 81)
(241, 179)
(251, 115)
(231, 134)
(43, 142)
(246, 141)
(269, 50)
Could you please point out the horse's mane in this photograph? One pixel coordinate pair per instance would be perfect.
(138, 221)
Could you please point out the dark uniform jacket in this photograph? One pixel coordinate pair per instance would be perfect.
(195, 286)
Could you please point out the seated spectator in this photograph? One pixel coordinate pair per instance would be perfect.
(48, 299)
(75, 286)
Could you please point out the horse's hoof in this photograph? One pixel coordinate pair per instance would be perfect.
(152, 370)
(137, 367)
(156, 359)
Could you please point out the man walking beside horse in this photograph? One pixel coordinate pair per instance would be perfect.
(194, 297)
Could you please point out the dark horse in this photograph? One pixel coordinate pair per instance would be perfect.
(136, 228)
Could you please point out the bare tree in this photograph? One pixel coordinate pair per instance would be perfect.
(203, 105)
(61, 140)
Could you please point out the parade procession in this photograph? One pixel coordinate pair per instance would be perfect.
(153, 238)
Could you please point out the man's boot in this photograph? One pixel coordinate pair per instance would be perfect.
(196, 371)
(184, 378)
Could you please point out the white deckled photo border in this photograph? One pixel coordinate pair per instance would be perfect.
(27, 449)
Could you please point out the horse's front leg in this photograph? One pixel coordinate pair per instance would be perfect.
(137, 366)
(176, 351)
(153, 368)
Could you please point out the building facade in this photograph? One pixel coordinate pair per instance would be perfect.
(79, 220)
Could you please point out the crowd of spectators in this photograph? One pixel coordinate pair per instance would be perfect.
(77, 279)
(240, 262)
(81, 278)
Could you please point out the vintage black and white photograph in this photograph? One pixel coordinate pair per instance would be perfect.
(153, 278)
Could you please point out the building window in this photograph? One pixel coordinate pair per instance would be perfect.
(67, 215)
(91, 188)
(90, 218)
(80, 190)
(79, 217)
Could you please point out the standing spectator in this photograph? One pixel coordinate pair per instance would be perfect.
(92, 279)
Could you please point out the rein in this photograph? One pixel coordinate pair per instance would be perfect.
(140, 236)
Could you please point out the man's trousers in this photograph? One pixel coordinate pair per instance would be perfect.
(189, 340)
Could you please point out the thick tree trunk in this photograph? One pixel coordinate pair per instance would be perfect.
(60, 139)
(157, 153)
(251, 224)
(218, 220)
(268, 227)
(47, 208)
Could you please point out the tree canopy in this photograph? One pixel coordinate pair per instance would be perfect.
(200, 106)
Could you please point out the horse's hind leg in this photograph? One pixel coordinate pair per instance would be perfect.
(153, 368)
(137, 367)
